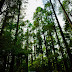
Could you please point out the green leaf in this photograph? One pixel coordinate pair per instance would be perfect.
(30, 25)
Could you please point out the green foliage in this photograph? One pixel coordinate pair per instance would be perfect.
(47, 4)
(36, 23)
(39, 9)
(36, 46)
(30, 25)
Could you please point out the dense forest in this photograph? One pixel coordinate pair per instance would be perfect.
(41, 46)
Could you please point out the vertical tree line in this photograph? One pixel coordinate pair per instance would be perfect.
(41, 46)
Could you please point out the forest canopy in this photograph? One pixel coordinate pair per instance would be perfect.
(41, 46)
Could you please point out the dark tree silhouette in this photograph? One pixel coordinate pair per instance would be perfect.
(65, 13)
(66, 45)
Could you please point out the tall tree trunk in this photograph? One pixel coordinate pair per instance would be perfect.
(12, 64)
(4, 63)
(61, 49)
(18, 61)
(41, 52)
(58, 41)
(31, 58)
(27, 50)
(66, 45)
(26, 63)
(13, 56)
(1, 4)
(65, 13)
(54, 52)
(50, 65)
(17, 25)
(46, 46)
(34, 52)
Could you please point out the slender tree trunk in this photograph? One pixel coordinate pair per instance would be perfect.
(17, 25)
(1, 4)
(66, 45)
(65, 13)
(27, 60)
(13, 56)
(12, 64)
(26, 63)
(27, 50)
(34, 52)
(50, 65)
(5, 59)
(41, 52)
(18, 61)
(46, 46)
(64, 62)
(54, 52)
(31, 58)
(61, 49)
(21, 59)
